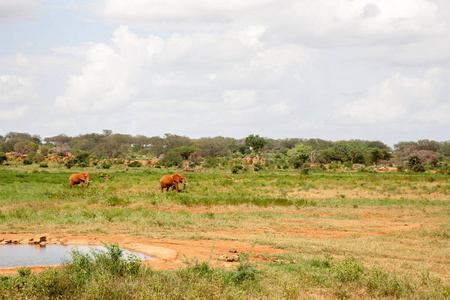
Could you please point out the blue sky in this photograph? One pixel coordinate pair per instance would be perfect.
(330, 69)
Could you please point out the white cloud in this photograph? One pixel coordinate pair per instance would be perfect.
(17, 9)
(150, 69)
(13, 114)
(201, 67)
(13, 88)
(399, 99)
(239, 99)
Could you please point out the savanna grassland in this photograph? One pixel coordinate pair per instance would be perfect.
(340, 235)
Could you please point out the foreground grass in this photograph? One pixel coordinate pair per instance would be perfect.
(351, 235)
(107, 275)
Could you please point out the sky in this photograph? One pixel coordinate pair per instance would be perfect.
(329, 69)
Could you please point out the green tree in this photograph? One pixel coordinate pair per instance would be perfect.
(255, 142)
(444, 148)
(377, 154)
(428, 145)
(212, 147)
(348, 151)
(186, 151)
(318, 144)
(299, 155)
(114, 146)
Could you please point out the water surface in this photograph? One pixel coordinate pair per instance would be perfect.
(31, 255)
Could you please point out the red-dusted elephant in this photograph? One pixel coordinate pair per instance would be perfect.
(80, 178)
(168, 181)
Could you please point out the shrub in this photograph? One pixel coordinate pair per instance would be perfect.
(27, 161)
(171, 159)
(211, 162)
(349, 270)
(444, 170)
(413, 161)
(43, 165)
(80, 158)
(235, 168)
(135, 164)
(70, 162)
(36, 157)
(258, 166)
(106, 165)
(418, 168)
(2, 157)
(245, 270)
(305, 171)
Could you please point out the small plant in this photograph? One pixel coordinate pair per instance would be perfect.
(24, 272)
(245, 270)
(135, 164)
(305, 171)
(27, 161)
(115, 200)
(349, 270)
(2, 157)
(43, 165)
(236, 168)
(106, 165)
(194, 265)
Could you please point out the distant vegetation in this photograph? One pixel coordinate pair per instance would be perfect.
(356, 234)
(224, 152)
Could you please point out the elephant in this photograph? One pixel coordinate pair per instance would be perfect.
(80, 178)
(167, 181)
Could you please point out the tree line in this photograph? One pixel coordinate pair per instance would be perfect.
(173, 150)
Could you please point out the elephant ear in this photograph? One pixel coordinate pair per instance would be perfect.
(82, 176)
(176, 177)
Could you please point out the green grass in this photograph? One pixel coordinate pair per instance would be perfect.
(349, 235)
(108, 275)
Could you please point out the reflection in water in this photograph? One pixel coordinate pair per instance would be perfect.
(36, 255)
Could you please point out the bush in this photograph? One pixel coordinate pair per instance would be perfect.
(211, 162)
(258, 166)
(2, 157)
(171, 159)
(43, 165)
(27, 161)
(106, 165)
(418, 168)
(36, 157)
(70, 162)
(235, 169)
(305, 171)
(413, 161)
(349, 270)
(135, 164)
(444, 170)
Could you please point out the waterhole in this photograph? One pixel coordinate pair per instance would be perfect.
(30, 255)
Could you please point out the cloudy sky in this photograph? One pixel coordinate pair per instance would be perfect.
(330, 69)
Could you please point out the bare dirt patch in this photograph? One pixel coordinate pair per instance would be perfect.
(169, 254)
